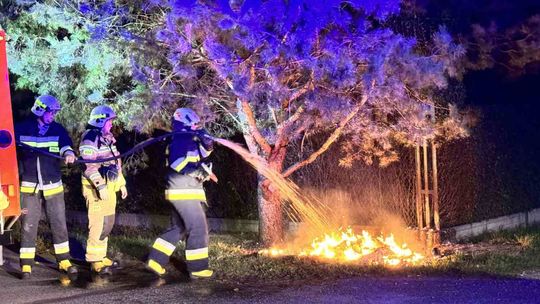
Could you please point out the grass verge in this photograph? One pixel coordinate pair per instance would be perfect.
(508, 253)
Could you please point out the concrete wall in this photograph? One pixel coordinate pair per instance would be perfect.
(163, 221)
(461, 232)
(515, 220)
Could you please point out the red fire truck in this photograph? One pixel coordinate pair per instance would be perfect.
(10, 209)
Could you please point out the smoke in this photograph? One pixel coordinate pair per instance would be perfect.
(365, 212)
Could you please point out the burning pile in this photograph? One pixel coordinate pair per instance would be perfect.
(343, 245)
(346, 246)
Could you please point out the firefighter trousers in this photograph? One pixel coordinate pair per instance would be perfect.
(101, 215)
(56, 214)
(188, 223)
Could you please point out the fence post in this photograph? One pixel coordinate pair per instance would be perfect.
(427, 209)
(419, 220)
(435, 198)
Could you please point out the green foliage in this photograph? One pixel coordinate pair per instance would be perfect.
(51, 51)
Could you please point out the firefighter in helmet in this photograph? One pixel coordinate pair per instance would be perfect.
(100, 182)
(185, 192)
(41, 182)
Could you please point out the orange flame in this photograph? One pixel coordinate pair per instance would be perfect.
(342, 245)
(346, 246)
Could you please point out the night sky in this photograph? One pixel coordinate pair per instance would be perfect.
(507, 138)
(494, 86)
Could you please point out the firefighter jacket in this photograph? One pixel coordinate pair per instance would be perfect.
(187, 151)
(186, 155)
(95, 146)
(38, 171)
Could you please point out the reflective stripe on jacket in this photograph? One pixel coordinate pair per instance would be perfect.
(38, 171)
(187, 151)
(95, 146)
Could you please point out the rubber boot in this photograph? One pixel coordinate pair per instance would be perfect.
(100, 268)
(111, 263)
(156, 268)
(204, 274)
(67, 267)
(26, 272)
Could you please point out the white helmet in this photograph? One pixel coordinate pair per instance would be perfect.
(45, 103)
(100, 115)
(186, 116)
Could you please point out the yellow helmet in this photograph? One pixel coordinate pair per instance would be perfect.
(100, 115)
(45, 103)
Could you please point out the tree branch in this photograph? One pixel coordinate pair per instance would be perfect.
(217, 102)
(252, 123)
(252, 76)
(303, 90)
(282, 130)
(329, 141)
(261, 141)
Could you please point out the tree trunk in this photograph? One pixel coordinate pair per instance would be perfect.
(271, 226)
(271, 222)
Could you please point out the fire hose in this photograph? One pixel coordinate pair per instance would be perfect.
(137, 148)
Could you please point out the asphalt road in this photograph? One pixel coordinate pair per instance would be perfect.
(133, 284)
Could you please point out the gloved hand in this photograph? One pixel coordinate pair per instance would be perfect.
(123, 192)
(103, 193)
(69, 158)
(205, 138)
(109, 172)
(208, 173)
(199, 174)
